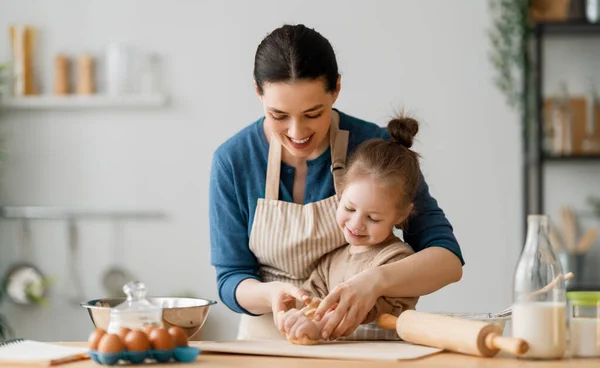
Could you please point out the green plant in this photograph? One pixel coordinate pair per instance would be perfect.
(35, 291)
(509, 37)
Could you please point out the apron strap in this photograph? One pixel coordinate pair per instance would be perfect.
(338, 159)
(338, 142)
(273, 168)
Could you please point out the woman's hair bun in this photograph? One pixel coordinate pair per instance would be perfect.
(403, 130)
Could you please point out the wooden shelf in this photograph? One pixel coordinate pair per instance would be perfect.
(75, 102)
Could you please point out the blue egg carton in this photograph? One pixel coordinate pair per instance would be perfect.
(179, 354)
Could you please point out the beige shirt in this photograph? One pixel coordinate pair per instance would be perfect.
(340, 265)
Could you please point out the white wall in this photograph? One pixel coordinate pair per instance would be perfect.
(427, 56)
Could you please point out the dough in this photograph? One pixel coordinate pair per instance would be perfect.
(303, 341)
(309, 311)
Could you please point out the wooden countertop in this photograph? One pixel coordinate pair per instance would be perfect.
(438, 360)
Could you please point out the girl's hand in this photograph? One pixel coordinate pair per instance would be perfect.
(354, 299)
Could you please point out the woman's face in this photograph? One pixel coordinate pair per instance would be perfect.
(299, 114)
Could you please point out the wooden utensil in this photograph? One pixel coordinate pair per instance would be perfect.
(569, 225)
(587, 240)
(508, 311)
(452, 333)
(552, 284)
(347, 353)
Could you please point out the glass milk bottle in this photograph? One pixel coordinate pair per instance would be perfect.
(539, 309)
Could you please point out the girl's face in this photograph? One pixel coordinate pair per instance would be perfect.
(299, 114)
(368, 212)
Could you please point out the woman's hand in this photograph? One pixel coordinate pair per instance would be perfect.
(354, 299)
(283, 297)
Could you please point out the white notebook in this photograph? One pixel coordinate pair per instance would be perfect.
(14, 352)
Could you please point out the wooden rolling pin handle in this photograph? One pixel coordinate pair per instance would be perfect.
(510, 345)
(387, 321)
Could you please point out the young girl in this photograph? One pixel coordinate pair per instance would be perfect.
(380, 185)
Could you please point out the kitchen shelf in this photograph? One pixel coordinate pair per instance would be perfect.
(64, 213)
(571, 158)
(536, 161)
(77, 102)
(567, 28)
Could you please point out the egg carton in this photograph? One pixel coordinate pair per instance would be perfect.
(183, 354)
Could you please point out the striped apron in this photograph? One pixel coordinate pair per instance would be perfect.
(287, 238)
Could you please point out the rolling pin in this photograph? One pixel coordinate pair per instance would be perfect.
(452, 333)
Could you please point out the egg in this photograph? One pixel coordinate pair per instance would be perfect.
(148, 329)
(178, 335)
(123, 331)
(94, 338)
(137, 340)
(110, 344)
(160, 339)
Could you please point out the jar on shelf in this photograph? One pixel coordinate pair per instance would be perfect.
(561, 122)
(584, 323)
(591, 141)
(592, 10)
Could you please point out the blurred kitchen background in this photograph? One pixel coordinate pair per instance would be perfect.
(121, 178)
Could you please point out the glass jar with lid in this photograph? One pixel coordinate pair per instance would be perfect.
(136, 312)
(584, 323)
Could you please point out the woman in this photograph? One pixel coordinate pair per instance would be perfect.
(274, 193)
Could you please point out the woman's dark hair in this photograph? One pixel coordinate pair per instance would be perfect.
(295, 52)
(391, 163)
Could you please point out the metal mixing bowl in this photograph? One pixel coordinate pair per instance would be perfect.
(484, 317)
(187, 313)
